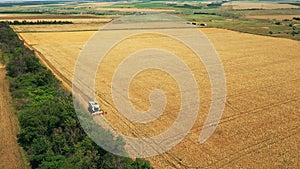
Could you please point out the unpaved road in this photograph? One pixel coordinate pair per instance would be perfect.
(10, 156)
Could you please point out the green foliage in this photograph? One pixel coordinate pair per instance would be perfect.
(294, 33)
(277, 23)
(8, 39)
(296, 18)
(22, 62)
(51, 133)
(149, 5)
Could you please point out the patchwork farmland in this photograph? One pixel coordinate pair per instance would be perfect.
(258, 44)
(261, 119)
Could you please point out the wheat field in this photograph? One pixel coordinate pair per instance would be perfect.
(260, 124)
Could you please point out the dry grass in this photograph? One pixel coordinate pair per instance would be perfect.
(260, 125)
(258, 5)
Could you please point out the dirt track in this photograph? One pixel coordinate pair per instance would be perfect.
(10, 157)
(260, 124)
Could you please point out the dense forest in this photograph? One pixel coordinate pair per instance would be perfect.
(50, 131)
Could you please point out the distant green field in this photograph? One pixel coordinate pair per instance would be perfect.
(150, 5)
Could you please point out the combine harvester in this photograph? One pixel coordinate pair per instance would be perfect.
(95, 109)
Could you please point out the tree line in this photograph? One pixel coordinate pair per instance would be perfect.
(50, 131)
(38, 22)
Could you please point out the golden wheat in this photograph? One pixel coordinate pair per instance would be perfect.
(259, 127)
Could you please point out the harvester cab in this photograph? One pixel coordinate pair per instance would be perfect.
(94, 107)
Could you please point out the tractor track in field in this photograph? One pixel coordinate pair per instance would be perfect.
(243, 114)
(255, 110)
(242, 153)
(261, 144)
(262, 88)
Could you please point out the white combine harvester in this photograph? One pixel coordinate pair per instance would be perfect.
(95, 109)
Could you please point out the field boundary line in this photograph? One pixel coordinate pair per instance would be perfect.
(67, 83)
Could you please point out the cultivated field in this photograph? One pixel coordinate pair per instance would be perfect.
(258, 5)
(276, 17)
(80, 22)
(73, 18)
(57, 28)
(135, 10)
(260, 125)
